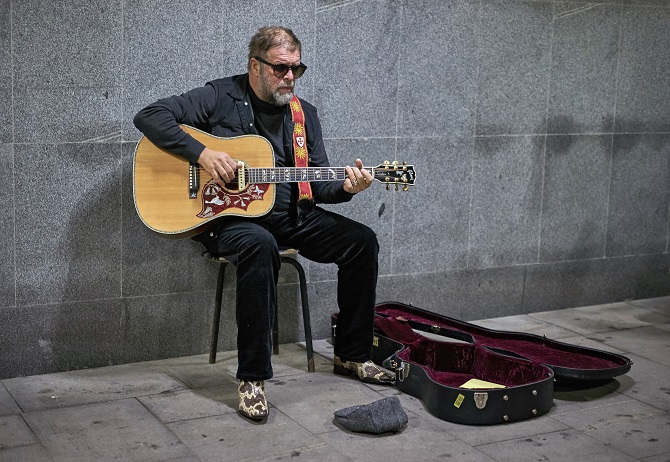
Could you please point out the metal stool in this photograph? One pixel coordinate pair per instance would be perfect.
(286, 256)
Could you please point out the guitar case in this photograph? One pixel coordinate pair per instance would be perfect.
(472, 375)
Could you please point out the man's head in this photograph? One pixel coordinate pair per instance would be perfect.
(274, 64)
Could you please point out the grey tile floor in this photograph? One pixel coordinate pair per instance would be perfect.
(184, 409)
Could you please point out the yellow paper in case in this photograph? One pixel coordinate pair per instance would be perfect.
(476, 383)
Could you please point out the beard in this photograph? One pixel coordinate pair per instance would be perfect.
(272, 94)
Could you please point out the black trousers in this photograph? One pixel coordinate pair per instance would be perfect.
(323, 237)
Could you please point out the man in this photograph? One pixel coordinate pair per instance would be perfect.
(258, 103)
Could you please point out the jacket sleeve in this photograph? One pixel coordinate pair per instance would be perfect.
(159, 121)
(324, 192)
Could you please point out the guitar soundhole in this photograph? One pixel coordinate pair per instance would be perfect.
(234, 186)
(231, 188)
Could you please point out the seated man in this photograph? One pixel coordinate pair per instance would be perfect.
(258, 103)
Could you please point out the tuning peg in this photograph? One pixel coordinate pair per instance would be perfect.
(388, 187)
(396, 186)
(405, 188)
(395, 165)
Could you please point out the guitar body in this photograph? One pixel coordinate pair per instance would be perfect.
(177, 199)
(161, 183)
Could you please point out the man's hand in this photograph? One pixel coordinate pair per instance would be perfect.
(219, 165)
(358, 179)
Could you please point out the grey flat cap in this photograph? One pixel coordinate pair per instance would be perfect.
(385, 415)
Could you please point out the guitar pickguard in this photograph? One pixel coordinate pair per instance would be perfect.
(216, 199)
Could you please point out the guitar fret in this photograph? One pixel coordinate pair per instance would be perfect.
(297, 174)
(294, 174)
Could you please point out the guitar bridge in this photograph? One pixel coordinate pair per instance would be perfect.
(193, 180)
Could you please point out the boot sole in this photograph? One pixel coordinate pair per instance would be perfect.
(341, 370)
(255, 418)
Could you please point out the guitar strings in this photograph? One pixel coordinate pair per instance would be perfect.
(339, 173)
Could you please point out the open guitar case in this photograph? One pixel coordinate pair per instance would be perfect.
(468, 374)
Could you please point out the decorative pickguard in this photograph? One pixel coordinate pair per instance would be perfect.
(216, 199)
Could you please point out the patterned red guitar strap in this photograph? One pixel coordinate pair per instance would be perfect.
(300, 156)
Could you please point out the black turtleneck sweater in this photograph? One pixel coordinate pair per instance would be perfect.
(270, 123)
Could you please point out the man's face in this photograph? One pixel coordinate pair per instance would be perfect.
(272, 89)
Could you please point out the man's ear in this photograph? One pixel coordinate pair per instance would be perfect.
(254, 65)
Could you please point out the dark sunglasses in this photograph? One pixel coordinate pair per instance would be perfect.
(280, 70)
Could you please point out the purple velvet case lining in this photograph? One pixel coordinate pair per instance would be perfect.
(453, 364)
(396, 320)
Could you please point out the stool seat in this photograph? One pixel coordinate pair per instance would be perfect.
(286, 255)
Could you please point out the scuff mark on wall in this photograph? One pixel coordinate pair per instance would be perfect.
(108, 138)
(47, 351)
(574, 11)
(337, 4)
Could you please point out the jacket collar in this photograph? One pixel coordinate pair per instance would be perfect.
(239, 90)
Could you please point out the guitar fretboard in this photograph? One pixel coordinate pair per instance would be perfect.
(296, 174)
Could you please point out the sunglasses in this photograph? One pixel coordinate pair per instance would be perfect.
(280, 70)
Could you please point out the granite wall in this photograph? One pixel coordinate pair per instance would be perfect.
(540, 131)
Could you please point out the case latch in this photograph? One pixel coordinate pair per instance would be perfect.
(401, 370)
(480, 399)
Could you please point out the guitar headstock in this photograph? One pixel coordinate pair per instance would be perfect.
(394, 173)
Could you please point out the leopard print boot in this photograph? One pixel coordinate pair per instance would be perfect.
(252, 399)
(367, 371)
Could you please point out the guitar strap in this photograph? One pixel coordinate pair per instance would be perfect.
(305, 198)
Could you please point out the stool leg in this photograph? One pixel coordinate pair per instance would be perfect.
(305, 311)
(275, 332)
(214, 340)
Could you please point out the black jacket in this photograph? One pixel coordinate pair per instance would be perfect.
(223, 108)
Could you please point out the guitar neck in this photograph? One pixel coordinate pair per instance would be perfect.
(298, 174)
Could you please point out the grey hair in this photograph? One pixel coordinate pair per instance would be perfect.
(269, 37)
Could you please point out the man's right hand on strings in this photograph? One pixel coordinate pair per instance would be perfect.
(219, 165)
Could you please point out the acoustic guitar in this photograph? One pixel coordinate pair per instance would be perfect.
(177, 198)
